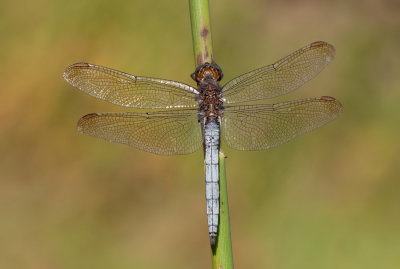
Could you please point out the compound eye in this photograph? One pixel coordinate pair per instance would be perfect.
(193, 76)
(217, 72)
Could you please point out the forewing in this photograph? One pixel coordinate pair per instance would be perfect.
(258, 127)
(164, 132)
(128, 90)
(281, 77)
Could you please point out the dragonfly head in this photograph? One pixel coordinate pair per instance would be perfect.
(207, 71)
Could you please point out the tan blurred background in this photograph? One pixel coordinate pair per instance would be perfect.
(328, 199)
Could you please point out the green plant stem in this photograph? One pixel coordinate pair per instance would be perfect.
(202, 47)
(201, 31)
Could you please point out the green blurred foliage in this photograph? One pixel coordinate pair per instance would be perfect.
(328, 199)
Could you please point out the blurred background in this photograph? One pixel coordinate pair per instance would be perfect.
(328, 199)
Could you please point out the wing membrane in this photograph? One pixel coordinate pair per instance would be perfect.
(258, 127)
(128, 90)
(163, 132)
(281, 77)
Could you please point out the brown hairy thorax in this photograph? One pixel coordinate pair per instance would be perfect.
(210, 101)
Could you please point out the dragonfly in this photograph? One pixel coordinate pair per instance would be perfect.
(172, 118)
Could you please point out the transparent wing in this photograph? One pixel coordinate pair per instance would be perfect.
(163, 132)
(128, 90)
(258, 127)
(281, 77)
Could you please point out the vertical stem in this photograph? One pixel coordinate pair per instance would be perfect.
(201, 31)
(202, 47)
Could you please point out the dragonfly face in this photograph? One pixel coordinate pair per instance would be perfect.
(175, 118)
(207, 71)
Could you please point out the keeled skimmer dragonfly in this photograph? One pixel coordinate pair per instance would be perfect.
(175, 118)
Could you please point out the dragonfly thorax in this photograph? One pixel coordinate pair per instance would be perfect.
(210, 100)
